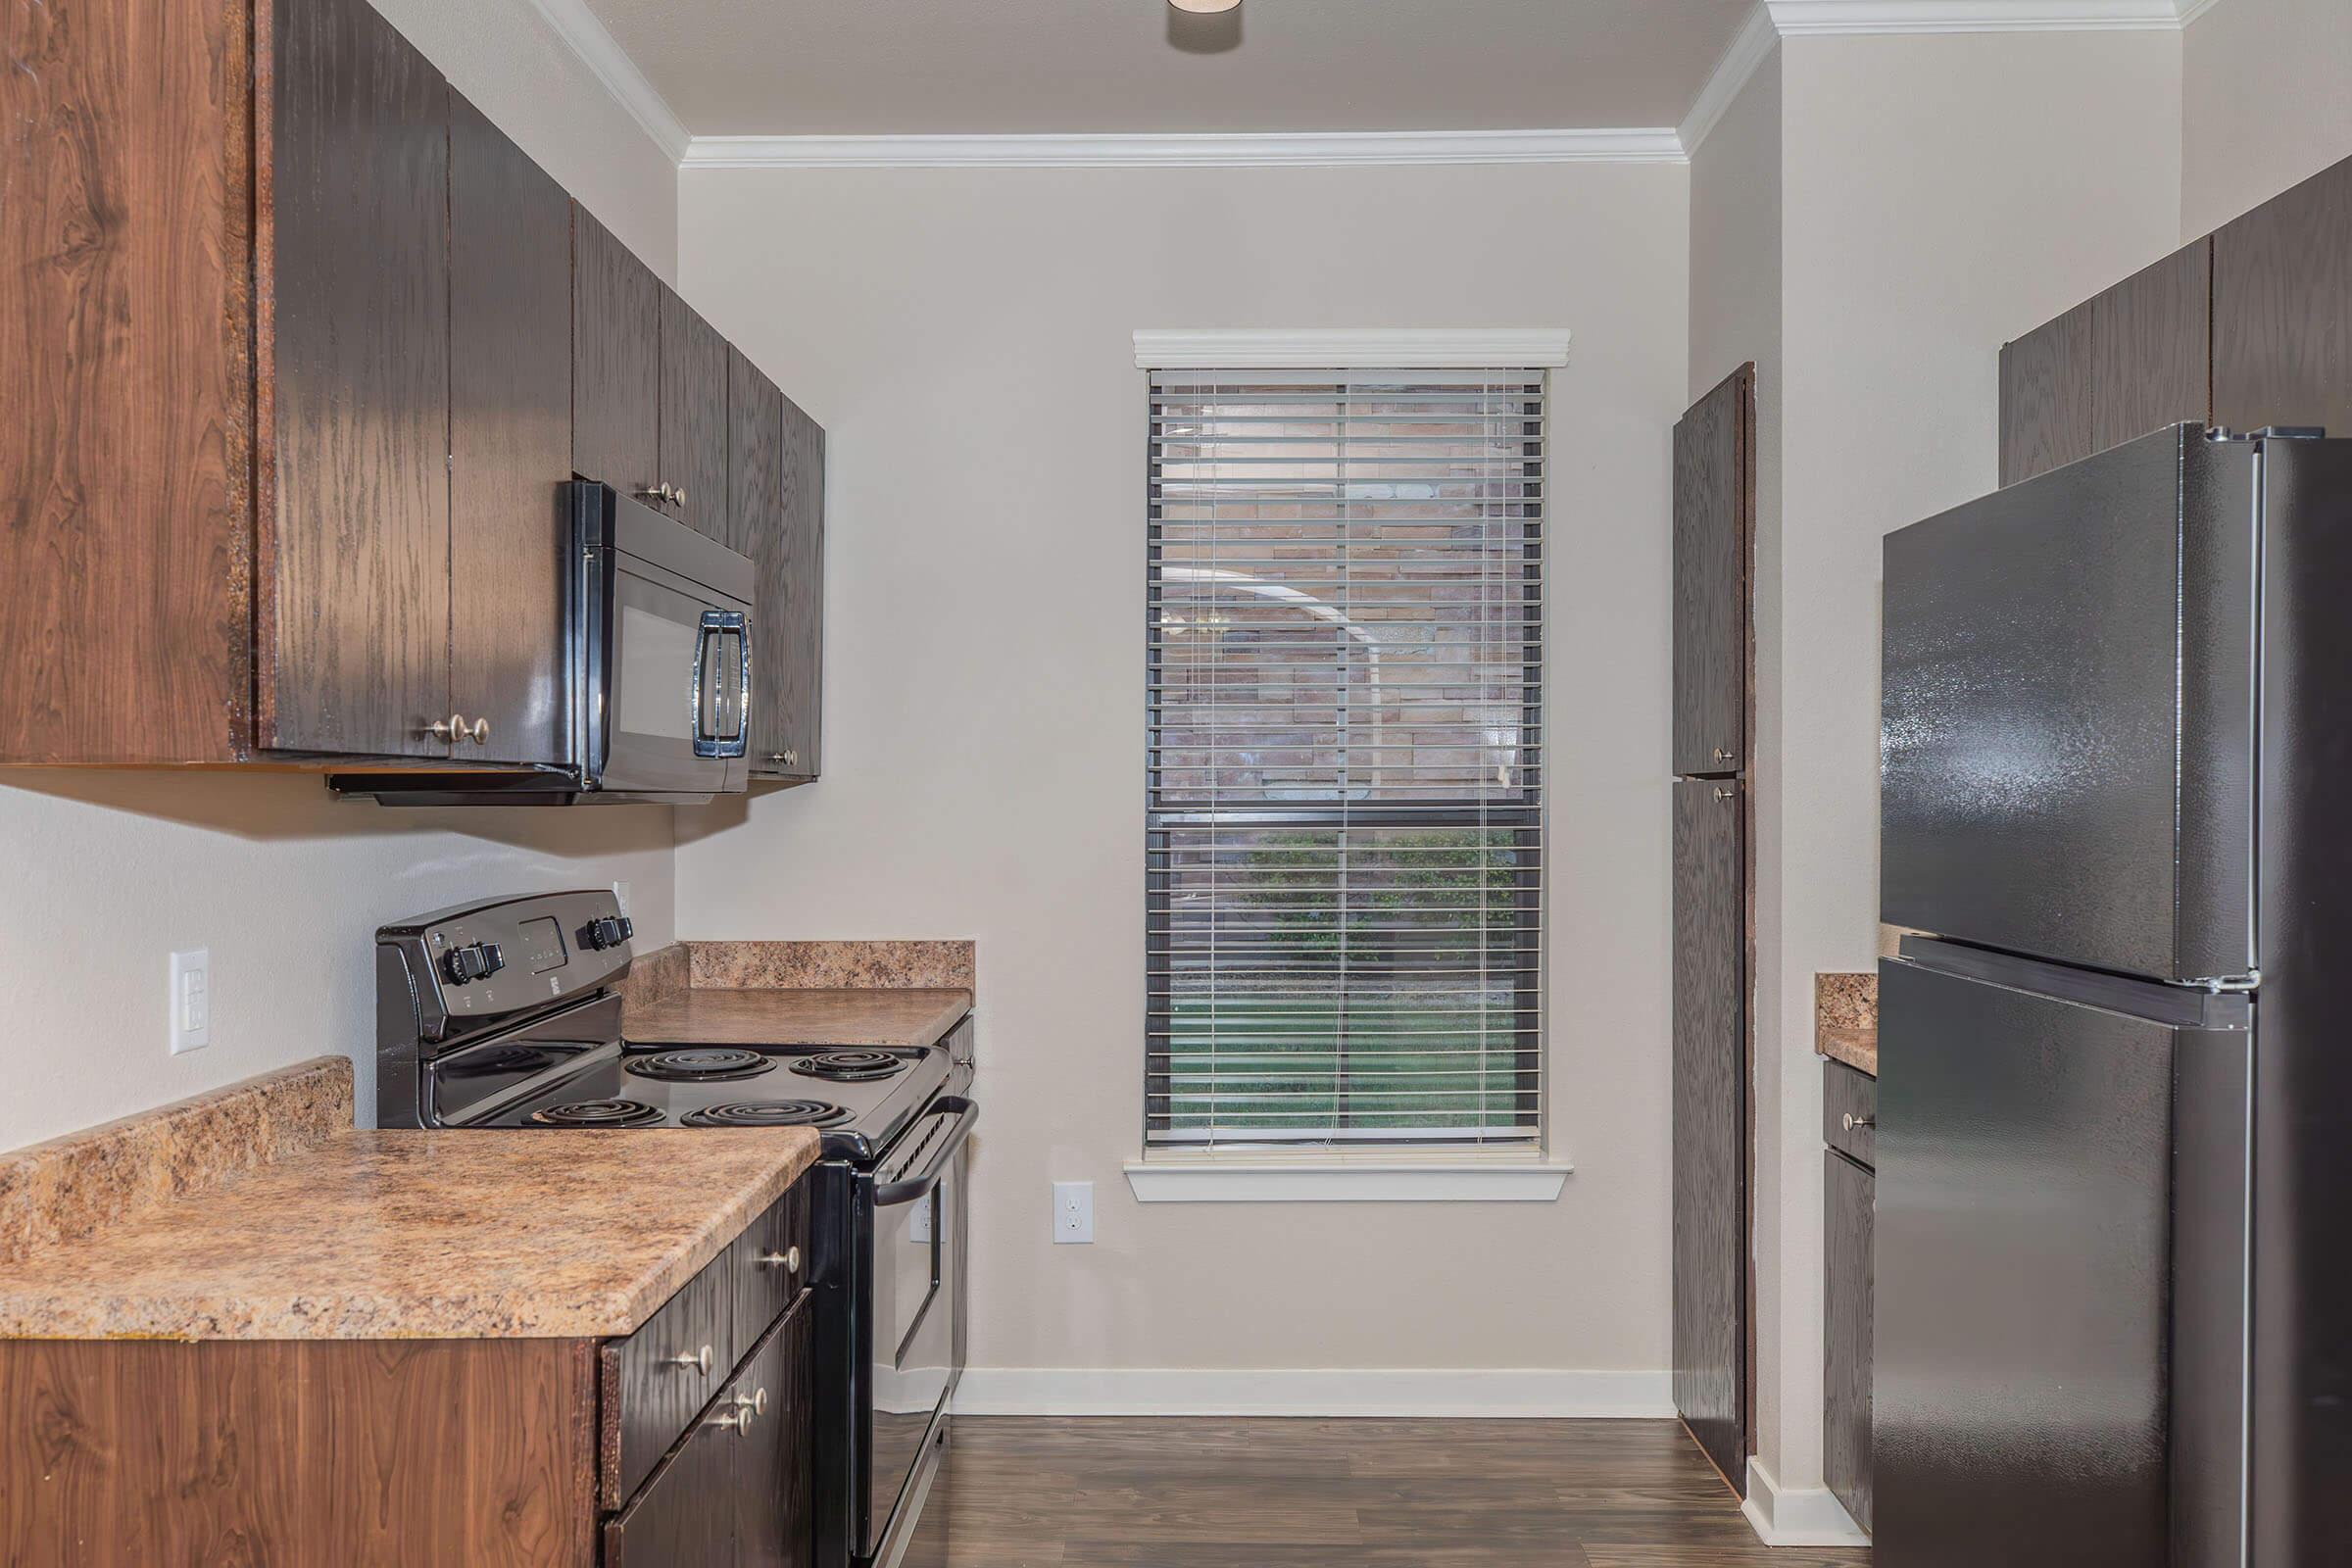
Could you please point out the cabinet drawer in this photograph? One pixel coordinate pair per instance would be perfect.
(651, 1383)
(1850, 1112)
(684, 1517)
(767, 1265)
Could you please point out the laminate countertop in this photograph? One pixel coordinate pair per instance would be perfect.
(472, 1233)
(796, 1016)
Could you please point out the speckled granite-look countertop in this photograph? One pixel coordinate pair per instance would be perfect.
(800, 1017)
(467, 1233)
(1846, 1019)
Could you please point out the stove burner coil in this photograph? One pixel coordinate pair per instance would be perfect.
(851, 1066)
(767, 1113)
(597, 1114)
(700, 1065)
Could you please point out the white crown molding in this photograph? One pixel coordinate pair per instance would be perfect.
(1751, 47)
(2191, 10)
(1812, 17)
(1235, 150)
(1345, 348)
(1226, 1181)
(611, 66)
(1806, 1518)
(1373, 1392)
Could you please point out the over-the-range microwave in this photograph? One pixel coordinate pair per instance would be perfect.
(657, 662)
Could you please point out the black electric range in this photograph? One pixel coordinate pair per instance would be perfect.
(504, 1014)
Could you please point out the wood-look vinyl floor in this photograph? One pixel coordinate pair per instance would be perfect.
(1186, 1492)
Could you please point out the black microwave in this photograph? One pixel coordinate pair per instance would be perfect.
(658, 664)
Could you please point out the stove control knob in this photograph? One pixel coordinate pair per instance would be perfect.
(476, 960)
(606, 931)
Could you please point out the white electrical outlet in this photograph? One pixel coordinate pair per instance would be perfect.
(191, 999)
(919, 1223)
(620, 896)
(1073, 1212)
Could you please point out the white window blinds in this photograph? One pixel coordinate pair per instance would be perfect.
(1344, 840)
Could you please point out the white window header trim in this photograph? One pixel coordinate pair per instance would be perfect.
(1350, 348)
(1227, 1180)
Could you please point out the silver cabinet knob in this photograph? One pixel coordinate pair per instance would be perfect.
(789, 1260)
(748, 1405)
(1723, 793)
(784, 758)
(1854, 1122)
(695, 1360)
(452, 728)
(1722, 754)
(678, 495)
(481, 732)
(666, 493)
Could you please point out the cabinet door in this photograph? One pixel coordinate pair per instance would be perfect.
(616, 361)
(685, 1517)
(774, 1483)
(1846, 1407)
(352, 564)
(1714, 498)
(2046, 408)
(510, 439)
(2283, 309)
(694, 419)
(2152, 348)
(1710, 1120)
(786, 713)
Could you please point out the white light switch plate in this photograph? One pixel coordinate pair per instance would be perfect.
(1073, 1212)
(191, 999)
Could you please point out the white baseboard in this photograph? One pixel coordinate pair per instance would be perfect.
(1808, 1518)
(1176, 1391)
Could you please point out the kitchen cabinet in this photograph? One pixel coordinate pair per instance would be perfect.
(352, 483)
(1714, 502)
(1710, 1119)
(615, 362)
(694, 419)
(787, 704)
(2131, 361)
(509, 441)
(1848, 1205)
(477, 1451)
(2283, 309)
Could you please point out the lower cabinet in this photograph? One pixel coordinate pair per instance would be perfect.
(399, 1452)
(1848, 1205)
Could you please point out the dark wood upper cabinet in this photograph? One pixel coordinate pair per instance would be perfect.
(616, 361)
(2283, 309)
(509, 438)
(754, 459)
(2047, 417)
(2151, 340)
(787, 717)
(351, 568)
(694, 419)
(1714, 501)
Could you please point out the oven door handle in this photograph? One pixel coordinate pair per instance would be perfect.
(906, 1189)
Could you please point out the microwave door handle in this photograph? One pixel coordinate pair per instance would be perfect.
(742, 736)
(709, 739)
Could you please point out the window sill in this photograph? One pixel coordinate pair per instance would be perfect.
(1238, 1181)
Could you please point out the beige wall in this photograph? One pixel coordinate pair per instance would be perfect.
(1941, 195)
(1735, 308)
(511, 63)
(965, 339)
(102, 875)
(2267, 99)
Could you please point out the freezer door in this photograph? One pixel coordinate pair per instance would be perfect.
(2044, 1393)
(2066, 738)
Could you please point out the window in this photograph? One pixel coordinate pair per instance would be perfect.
(1345, 802)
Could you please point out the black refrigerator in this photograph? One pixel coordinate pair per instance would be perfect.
(2114, 1229)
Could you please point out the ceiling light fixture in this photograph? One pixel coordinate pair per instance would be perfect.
(1204, 8)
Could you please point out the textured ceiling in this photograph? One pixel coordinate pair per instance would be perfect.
(868, 67)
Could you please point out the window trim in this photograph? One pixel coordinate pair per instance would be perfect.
(1524, 1173)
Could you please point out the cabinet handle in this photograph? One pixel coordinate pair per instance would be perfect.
(789, 1260)
(481, 732)
(452, 728)
(1723, 793)
(784, 758)
(1854, 1123)
(663, 492)
(750, 1405)
(695, 1360)
(1722, 754)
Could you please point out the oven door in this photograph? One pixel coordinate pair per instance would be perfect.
(915, 1355)
(677, 679)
